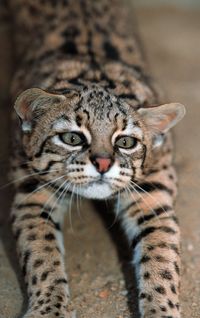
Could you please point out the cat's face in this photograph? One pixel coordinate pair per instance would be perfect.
(92, 142)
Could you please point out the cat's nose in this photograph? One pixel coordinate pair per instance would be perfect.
(102, 164)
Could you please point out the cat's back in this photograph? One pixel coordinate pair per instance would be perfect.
(69, 43)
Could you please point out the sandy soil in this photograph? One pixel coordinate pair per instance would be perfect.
(97, 257)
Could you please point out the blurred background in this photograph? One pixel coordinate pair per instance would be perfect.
(186, 3)
(170, 32)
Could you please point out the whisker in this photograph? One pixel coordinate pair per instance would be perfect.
(70, 208)
(51, 197)
(150, 208)
(40, 187)
(156, 201)
(27, 176)
(59, 197)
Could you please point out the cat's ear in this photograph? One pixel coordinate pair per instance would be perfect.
(160, 119)
(33, 102)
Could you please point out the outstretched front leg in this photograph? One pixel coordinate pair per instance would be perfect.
(149, 221)
(37, 219)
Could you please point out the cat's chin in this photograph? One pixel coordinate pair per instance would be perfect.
(96, 191)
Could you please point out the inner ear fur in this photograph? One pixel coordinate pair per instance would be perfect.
(161, 119)
(33, 101)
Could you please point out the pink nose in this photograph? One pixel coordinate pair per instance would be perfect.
(102, 164)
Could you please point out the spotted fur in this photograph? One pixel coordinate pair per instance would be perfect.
(81, 71)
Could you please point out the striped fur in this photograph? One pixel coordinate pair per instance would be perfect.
(81, 71)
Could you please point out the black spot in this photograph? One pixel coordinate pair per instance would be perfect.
(38, 293)
(174, 248)
(143, 296)
(56, 263)
(127, 96)
(31, 237)
(48, 249)
(177, 269)
(48, 294)
(145, 259)
(34, 280)
(170, 303)
(48, 309)
(60, 281)
(160, 259)
(58, 305)
(49, 237)
(147, 275)
(60, 298)
(160, 290)
(27, 255)
(38, 263)
(177, 306)
(166, 275)
(30, 227)
(162, 308)
(40, 302)
(153, 311)
(149, 298)
(150, 248)
(18, 233)
(35, 307)
(57, 314)
(44, 275)
(69, 47)
(47, 301)
(51, 288)
(111, 52)
(146, 296)
(173, 289)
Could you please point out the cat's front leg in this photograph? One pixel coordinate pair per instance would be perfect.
(37, 229)
(151, 226)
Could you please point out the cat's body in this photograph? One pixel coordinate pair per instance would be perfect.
(92, 131)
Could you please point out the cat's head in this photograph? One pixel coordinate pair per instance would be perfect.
(91, 142)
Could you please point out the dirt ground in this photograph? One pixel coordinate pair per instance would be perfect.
(97, 257)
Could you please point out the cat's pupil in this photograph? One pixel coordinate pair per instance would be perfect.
(72, 139)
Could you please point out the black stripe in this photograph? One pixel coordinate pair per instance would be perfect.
(28, 186)
(150, 230)
(129, 206)
(46, 216)
(40, 151)
(172, 217)
(153, 186)
(129, 96)
(29, 205)
(157, 212)
(59, 190)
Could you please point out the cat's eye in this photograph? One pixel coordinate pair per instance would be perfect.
(73, 138)
(126, 142)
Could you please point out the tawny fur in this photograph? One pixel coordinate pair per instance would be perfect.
(81, 70)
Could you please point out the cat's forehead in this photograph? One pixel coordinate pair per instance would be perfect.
(101, 104)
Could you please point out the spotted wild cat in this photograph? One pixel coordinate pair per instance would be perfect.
(92, 123)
